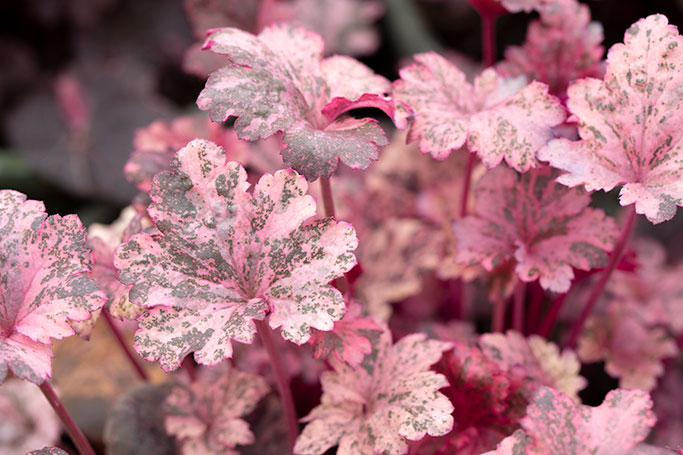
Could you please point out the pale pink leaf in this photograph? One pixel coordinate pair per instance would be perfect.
(206, 415)
(391, 397)
(44, 284)
(630, 123)
(48, 451)
(562, 46)
(350, 339)
(28, 421)
(497, 118)
(278, 81)
(545, 227)
(632, 350)
(224, 257)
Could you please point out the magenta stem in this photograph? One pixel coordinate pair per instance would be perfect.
(551, 317)
(498, 320)
(282, 380)
(124, 346)
(600, 285)
(488, 39)
(77, 436)
(518, 306)
(190, 368)
(465, 194)
(535, 308)
(328, 204)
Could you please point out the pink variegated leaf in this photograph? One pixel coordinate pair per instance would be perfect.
(632, 350)
(48, 451)
(224, 257)
(44, 285)
(538, 360)
(545, 227)
(564, 45)
(278, 81)
(556, 425)
(497, 118)
(206, 415)
(155, 145)
(28, 421)
(630, 123)
(350, 339)
(391, 397)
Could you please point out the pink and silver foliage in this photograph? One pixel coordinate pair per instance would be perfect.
(391, 397)
(206, 415)
(44, 284)
(279, 81)
(535, 359)
(556, 425)
(48, 451)
(350, 340)
(498, 118)
(27, 421)
(630, 123)
(633, 349)
(224, 257)
(544, 228)
(562, 46)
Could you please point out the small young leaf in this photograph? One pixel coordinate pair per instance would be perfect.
(545, 227)
(350, 339)
(278, 81)
(391, 396)
(205, 415)
(43, 284)
(224, 256)
(498, 118)
(630, 123)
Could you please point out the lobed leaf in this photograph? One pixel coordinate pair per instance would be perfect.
(206, 415)
(43, 284)
(499, 119)
(278, 81)
(546, 228)
(372, 409)
(224, 256)
(630, 123)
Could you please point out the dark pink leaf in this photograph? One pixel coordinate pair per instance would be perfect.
(391, 396)
(43, 284)
(562, 46)
(630, 123)
(350, 339)
(546, 228)
(497, 118)
(555, 425)
(278, 81)
(224, 257)
(206, 415)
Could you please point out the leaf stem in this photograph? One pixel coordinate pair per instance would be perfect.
(498, 319)
(488, 38)
(466, 183)
(328, 204)
(124, 346)
(551, 316)
(282, 380)
(600, 285)
(77, 436)
(518, 306)
(535, 308)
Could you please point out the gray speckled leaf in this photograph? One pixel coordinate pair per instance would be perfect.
(224, 257)
(278, 81)
(631, 123)
(43, 284)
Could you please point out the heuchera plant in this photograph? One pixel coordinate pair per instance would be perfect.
(443, 302)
